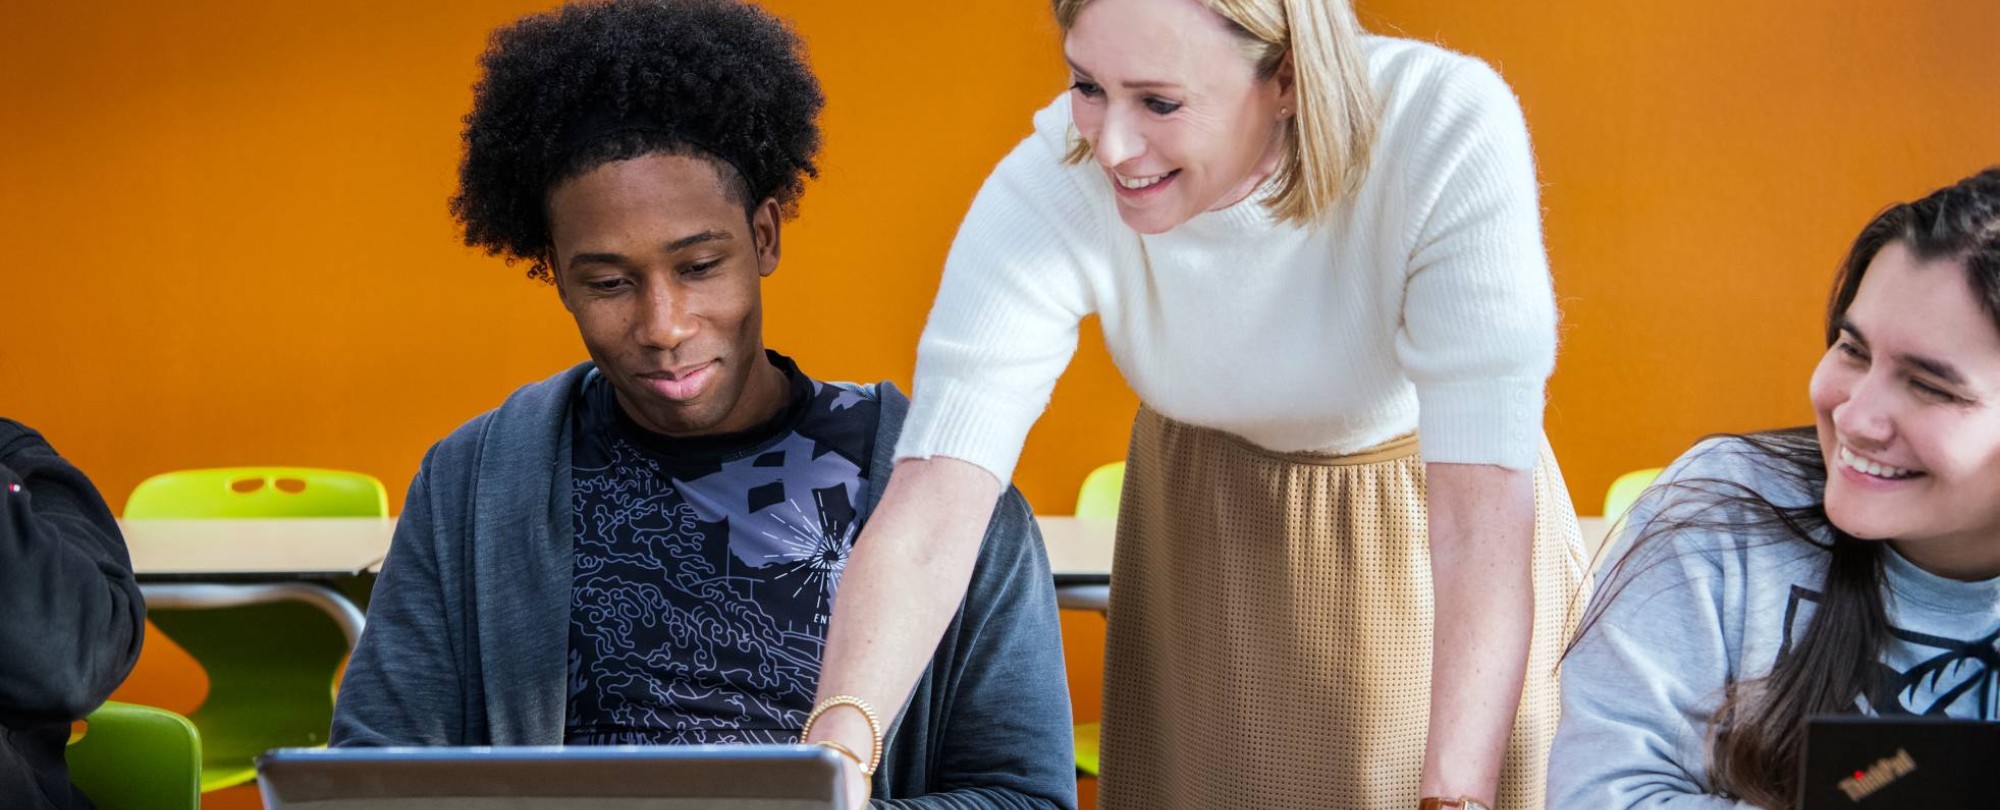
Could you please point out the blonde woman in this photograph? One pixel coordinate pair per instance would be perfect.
(1307, 248)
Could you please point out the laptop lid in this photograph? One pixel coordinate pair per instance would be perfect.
(725, 777)
(1862, 763)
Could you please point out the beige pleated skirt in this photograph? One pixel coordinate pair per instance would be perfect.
(1270, 627)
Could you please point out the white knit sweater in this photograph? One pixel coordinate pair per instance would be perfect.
(1423, 304)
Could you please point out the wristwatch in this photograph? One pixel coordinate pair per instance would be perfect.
(1460, 803)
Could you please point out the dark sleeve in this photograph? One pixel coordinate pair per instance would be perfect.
(402, 685)
(71, 617)
(1005, 740)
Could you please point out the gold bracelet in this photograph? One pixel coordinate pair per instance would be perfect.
(874, 727)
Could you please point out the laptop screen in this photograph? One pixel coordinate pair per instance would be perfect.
(734, 777)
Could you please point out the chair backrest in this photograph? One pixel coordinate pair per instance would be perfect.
(258, 492)
(271, 666)
(1098, 499)
(137, 758)
(1625, 491)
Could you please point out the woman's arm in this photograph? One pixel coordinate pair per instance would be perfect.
(1478, 342)
(1001, 332)
(903, 583)
(1482, 532)
(997, 706)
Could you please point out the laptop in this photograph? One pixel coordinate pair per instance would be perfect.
(1861, 763)
(723, 777)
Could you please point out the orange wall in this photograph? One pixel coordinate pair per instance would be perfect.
(226, 240)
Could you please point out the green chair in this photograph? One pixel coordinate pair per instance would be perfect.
(1618, 500)
(1625, 491)
(1086, 748)
(1096, 500)
(271, 649)
(137, 758)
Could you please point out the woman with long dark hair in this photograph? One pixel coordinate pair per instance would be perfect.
(1848, 567)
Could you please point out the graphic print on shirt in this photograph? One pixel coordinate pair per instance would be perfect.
(1920, 674)
(703, 583)
(806, 531)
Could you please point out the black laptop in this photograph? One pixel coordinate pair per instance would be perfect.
(1865, 763)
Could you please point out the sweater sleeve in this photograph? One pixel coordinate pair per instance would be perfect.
(1004, 324)
(1478, 336)
(1648, 671)
(402, 685)
(73, 615)
(1004, 739)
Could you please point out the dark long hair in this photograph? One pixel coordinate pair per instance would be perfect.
(1757, 734)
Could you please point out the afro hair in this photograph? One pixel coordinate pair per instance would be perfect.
(717, 78)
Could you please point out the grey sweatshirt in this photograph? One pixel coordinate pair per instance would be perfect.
(1696, 610)
(468, 630)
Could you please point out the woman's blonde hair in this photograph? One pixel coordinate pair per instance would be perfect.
(1334, 128)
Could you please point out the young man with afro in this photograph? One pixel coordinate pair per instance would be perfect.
(643, 550)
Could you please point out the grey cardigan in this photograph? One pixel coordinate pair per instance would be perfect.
(468, 629)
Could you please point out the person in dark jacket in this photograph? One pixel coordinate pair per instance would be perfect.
(644, 550)
(71, 618)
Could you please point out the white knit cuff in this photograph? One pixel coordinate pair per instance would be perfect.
(1494, 421)
(958, 419)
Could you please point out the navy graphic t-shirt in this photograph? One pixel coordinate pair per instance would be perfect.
(706, 567)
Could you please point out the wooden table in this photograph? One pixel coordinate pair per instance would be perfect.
(1593, 532)
(255, 550)
(220, 563)
(1079, 548)
(328, 551)
(1080, 558)
(325, 548)
(210, 564)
